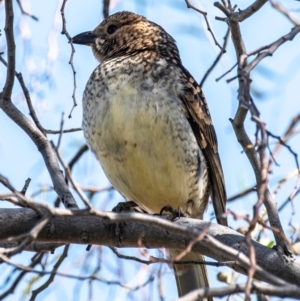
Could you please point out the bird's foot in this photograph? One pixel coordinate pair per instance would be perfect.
(129, 206)
(174, 213)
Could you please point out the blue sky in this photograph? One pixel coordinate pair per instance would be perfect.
(42, 57)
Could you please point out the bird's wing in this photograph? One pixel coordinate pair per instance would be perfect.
(200, 120)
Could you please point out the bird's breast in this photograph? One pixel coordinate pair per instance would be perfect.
(146, 147)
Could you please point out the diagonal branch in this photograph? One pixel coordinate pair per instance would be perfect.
(24, 12)
(242, 15)
(285, 12)
(217, 58)
(204, 14)
(270, 49)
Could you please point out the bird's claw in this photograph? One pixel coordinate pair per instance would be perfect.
(174, 213)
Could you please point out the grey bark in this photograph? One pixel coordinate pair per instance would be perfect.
(220, 243)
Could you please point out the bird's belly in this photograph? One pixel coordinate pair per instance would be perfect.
(147, 149)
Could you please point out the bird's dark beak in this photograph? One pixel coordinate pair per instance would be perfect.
(85, 38)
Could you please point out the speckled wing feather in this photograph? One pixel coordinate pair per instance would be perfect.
(200, 120)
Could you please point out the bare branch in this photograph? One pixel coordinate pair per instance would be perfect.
(106, 8)
(35, 292)
(241, 194)
(270, 290)
(77, 156)
(29, 103)
(65, 32)
(206, 21)
(24, 202)
(238, 124)
(30, 106)
(27, 97)
(248, 12)
(11, 48)
(32, 131)
(217, 58)
(25, 12)
(36, 259)
(153, 260)
(221, 243)
(272, 48)
(46, 151)
(78, 277)
(26, 185)
(220, 77)
(69, 177)
(288, 134)
(286, 146)
(63, 131)
(285, 12)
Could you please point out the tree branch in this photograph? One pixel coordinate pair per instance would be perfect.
(217, 58)
(241, 113)
(248, 12)
(270, 290)
(106, 8)
(31, 129)
(221, 243)
(272, 48)
(11, 51)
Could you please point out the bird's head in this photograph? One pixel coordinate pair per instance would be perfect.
(126, 33)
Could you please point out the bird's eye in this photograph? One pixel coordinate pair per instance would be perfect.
(111, 28)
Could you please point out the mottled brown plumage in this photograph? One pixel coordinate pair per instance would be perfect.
(147, 121)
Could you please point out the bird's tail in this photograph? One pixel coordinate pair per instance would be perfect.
(190, 276)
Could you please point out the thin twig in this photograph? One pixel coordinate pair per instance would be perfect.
(20, 196)
(63, 131)
(217, 58)
(29, 103)
(106, 8)
(35, 292)
(241, 194)
(78, 277)
(27, 98)
(287, 135)
(65, 32)
(11, 48)
(285, 179)
(272, 48)
(285, 12)
(69, 176)
(24, 12)
(76, 157)
(220, 77)
(154, 260)
(36, 259)
(286, 146)
(26, 185)
(206, 21)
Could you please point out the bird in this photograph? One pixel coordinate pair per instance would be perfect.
(147, 121)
